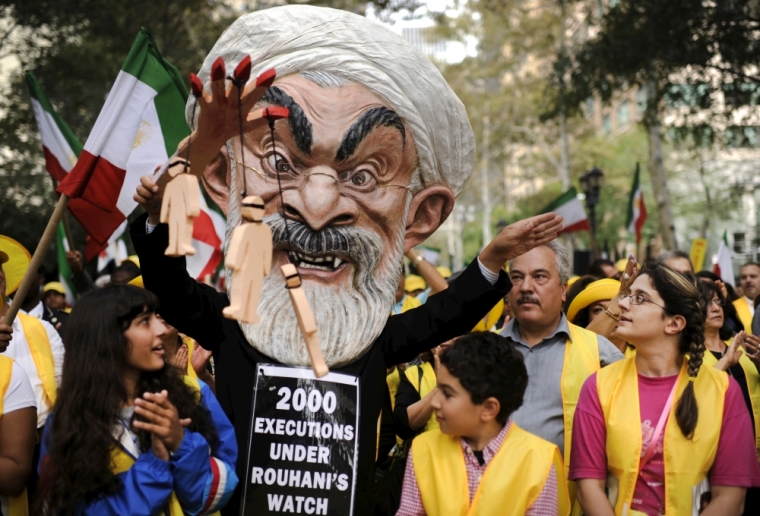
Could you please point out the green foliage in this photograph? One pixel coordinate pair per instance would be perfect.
(651, 39)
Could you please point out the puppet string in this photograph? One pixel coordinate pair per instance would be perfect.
(279, 185)
(240, 127)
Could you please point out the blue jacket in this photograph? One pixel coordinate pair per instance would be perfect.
(202, 483)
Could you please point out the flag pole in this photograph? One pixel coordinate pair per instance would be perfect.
(39, 255)
(65, 220)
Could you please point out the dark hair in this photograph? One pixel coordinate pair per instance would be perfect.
(487, 365)
(78, 467)
(707, 275)
(129, 268)
(707, 291)
(595, 269)
(750, 263)
(681, 297)
(674, 254)
(572, 292)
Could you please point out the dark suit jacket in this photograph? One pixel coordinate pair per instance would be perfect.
(196, 310)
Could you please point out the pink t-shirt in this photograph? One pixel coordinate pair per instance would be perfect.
(735, 461)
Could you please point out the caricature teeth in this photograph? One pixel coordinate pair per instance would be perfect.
(323, 262)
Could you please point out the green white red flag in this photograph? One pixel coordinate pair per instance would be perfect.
(724, 265)
(570, 207)
(637, 211)
(139, 127)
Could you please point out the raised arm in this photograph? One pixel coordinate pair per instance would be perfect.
(456, 310)
(191, 307)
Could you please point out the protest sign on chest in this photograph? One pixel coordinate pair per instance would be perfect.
(302, 447)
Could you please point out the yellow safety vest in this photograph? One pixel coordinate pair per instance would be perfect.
(190, 343)
(122, 461)
(581, 360)
(511, 483)
(753, 384)
(429, 382)
(17, 505)
(687, 461)
(42, 354)
(744, 313)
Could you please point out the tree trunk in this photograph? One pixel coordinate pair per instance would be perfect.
(656, 167)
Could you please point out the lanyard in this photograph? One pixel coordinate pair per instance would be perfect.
(659, 428)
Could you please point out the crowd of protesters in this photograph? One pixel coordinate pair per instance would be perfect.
(630, 390)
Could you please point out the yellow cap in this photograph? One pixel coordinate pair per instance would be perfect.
(600, 290)
(15, 260)
(492, 317)
(137, 282)
(55, 286)
(134, 259)
(414, 282)
(620, 264)
(571, 280)
(444, 271)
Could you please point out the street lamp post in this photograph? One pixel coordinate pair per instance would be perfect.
(591, 183)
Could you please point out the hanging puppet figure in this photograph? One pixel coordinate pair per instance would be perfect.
(179, 208)
(250, 258)
(305, 319)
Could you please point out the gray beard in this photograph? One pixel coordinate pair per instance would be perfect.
(349, 319)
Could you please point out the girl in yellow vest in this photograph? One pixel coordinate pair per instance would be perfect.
(479, 462)
(724, 353)
(18, 435)
(129, 434)
(659, 432)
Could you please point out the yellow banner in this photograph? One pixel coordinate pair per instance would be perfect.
(697, 254)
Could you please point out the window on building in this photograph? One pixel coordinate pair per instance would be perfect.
(743, 136)
(590, 106)
(740, 242)
(641, 102)
(624, 113)
(606, 124)
(688, 94)
(738, 94)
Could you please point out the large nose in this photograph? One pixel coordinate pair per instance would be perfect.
(319, 203)
(526, 284)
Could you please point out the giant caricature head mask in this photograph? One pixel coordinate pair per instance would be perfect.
(370, 159)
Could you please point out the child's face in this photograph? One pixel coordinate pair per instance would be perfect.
(454, 410)
(146, 349)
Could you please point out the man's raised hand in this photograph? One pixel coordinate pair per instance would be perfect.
(519, 238)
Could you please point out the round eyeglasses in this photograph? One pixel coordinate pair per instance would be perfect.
(356, 184)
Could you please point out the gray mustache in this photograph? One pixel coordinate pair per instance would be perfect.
(528, 299)
(363, 246)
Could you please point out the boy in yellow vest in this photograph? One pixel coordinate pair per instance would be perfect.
(479, 462)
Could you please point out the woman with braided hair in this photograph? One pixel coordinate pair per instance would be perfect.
(637, 429)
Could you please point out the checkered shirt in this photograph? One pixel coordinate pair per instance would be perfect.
(411, 500)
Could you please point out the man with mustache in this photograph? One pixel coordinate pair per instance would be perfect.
(367, 165)
(559, 355)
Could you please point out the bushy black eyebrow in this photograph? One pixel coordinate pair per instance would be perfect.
(369, 121)
(299, 124)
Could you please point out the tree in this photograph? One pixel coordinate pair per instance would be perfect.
(644, 43)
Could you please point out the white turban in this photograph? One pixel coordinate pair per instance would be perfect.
(302, 38)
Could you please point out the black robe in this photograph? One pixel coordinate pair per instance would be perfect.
(196, 310)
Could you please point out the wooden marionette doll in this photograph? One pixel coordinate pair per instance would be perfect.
(250, 258)
(305, 319)
(180, 206)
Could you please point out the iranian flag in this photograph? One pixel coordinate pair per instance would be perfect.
(724, 265)
(569, 206)
(637, 211)
(139, 127)
(64, 271)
